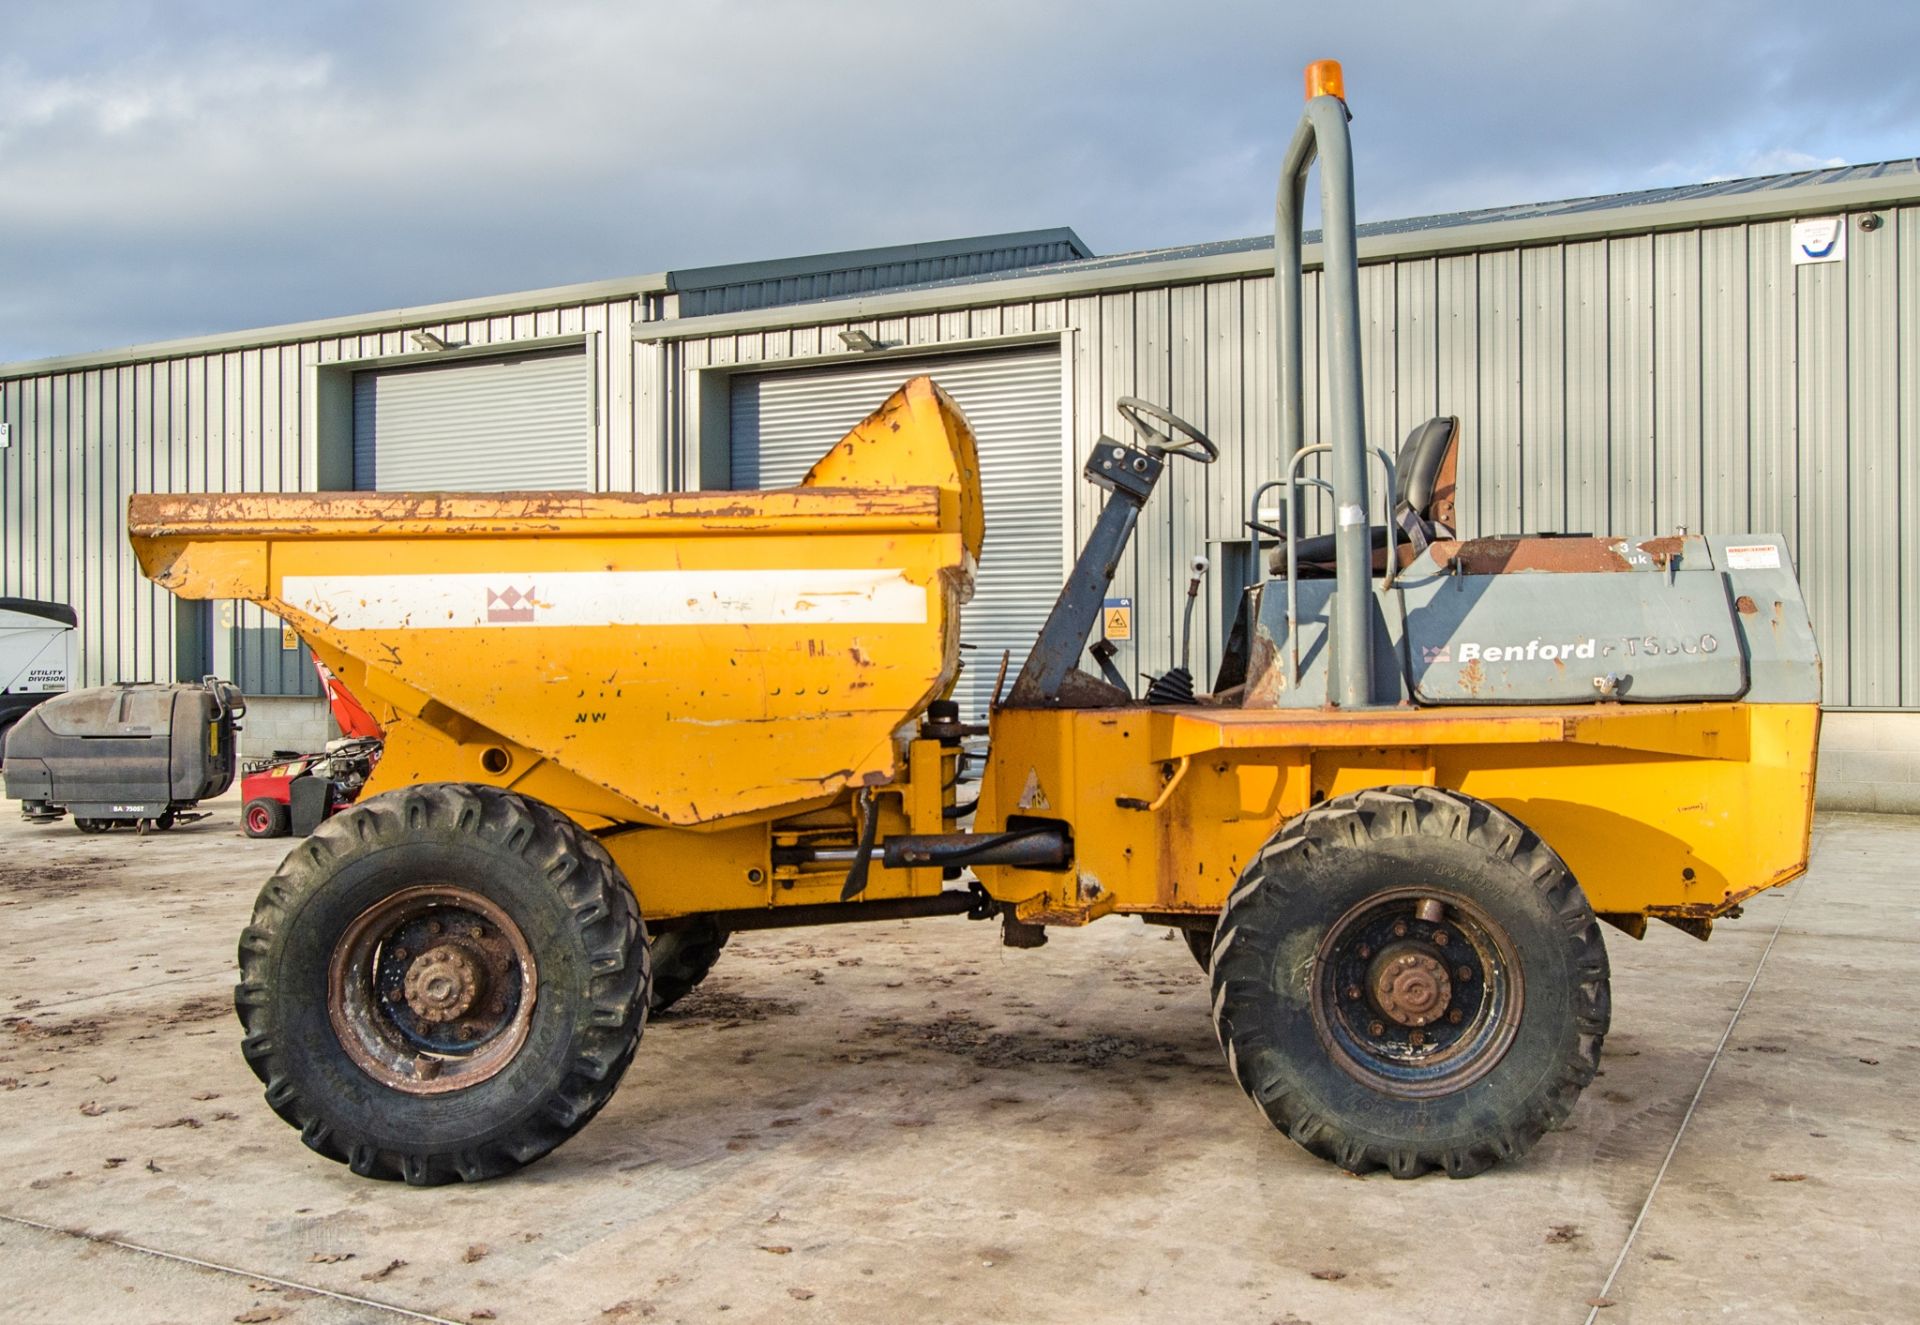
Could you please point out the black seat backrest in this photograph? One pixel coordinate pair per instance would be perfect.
(1417, 468)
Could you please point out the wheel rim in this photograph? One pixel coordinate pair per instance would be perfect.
(432, 989)
(1417, 992)
(258, 819)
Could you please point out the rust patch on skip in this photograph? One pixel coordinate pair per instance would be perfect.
(1745, 605)
(1472, 677)
(1664, 549)
(1508, 556)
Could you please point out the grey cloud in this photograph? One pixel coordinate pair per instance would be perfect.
(174, 169)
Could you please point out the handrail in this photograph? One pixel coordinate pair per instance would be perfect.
(1288, 482)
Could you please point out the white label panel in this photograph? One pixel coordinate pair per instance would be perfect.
(609, 598)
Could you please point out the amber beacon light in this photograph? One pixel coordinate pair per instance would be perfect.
(1324, 79)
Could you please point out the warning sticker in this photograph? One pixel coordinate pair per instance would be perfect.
(1756, 556)
(1116, 618)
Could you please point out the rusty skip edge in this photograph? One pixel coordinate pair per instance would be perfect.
(248, 514)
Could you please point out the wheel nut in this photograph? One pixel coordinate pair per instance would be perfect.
(1353, 991)
(1376, 1028)
(1440, 938)
(1415, 1038)
(1365, 952)
(1465, 973)
(1399, 929)
(1454, 1016)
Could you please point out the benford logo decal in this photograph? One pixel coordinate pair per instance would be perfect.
(1537, 650)
(1527, 652)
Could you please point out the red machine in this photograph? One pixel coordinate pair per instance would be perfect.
(293, 795)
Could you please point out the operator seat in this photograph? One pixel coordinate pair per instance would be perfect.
(1423, 500)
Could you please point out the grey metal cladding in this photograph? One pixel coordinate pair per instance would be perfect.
(1604, 382)
(750, 285)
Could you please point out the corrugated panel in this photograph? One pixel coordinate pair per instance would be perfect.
(782, 422)
(1676, 382)
(1873, 444)
(1543, 381)
(1585, 274)
(1907, 272)
(742, 286)
(513, 423)
(1825, 470)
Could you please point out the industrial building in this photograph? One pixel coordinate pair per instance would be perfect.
(1742, 355)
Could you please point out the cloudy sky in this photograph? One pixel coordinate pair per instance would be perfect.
(182, 167)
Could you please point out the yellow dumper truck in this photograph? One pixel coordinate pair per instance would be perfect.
(620, 728)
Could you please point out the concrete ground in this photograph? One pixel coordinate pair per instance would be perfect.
(908, 1122)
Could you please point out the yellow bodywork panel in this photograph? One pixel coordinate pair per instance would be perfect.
(1671, 810)
(689, 660)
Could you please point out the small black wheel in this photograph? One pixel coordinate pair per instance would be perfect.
(93, 825)
(264, 817)
(442, 983)
(682, 958)
(1410, 979)
(164, 823)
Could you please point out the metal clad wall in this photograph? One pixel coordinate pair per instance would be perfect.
(1704, 380)
(782, 422)
(495, 424)
(231, 420)
(1621, 385)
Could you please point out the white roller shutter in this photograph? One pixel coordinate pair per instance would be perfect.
(496, 424)
(784, 421)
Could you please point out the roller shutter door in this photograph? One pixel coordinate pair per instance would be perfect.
(782, 422)
(495, 424)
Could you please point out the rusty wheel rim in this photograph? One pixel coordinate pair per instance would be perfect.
(431, 989)
(259, 818)
(1416, 992)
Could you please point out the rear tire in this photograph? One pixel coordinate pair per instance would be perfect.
(442, 983)
(94, 825)
(1380, 1032)
(682, 958)
(263, 817)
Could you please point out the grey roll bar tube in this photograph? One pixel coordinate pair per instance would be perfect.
(1323, 134)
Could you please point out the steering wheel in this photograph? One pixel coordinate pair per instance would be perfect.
(1193, 444)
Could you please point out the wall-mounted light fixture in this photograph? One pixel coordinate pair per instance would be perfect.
(859, 340)
(426, 340)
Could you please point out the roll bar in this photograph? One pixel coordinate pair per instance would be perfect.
(1323, 135)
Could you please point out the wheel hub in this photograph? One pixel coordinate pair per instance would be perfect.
(443, 983)
(1410, 985)
(432, 989)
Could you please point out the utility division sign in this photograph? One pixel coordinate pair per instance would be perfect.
(1819, 239)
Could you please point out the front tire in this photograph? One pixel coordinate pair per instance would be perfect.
(1410, 979)
(442, 983)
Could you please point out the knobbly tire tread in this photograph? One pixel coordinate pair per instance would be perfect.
(591, 1031)
(1279, 1060)
(681, 959)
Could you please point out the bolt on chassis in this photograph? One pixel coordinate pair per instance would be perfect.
(620, 728)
